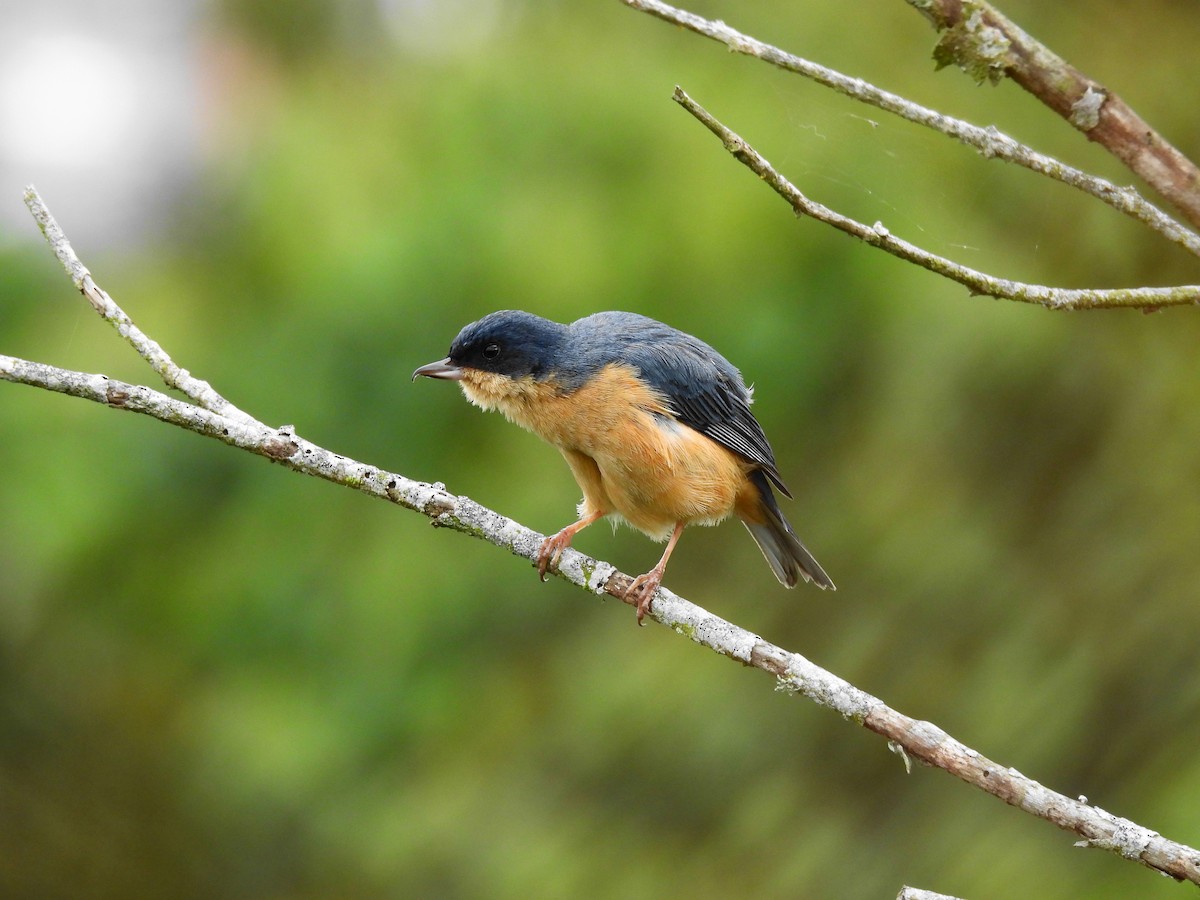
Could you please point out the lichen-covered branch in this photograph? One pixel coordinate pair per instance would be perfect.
(986, 44)
(794, 673)
(878, 235)
(989, 142)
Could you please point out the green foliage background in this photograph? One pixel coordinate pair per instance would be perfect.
(218, 679)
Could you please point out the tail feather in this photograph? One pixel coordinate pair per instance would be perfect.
(788, 557)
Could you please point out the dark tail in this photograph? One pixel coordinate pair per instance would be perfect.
(788, 557)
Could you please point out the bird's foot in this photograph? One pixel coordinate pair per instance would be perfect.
(552, 551)
(641, 592)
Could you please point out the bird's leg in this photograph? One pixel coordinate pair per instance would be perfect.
(641, 592)
(553, 546)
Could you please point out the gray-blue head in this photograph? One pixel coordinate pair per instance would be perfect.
(509, 342)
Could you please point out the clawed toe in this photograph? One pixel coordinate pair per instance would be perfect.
(641, 592)
(552, 547)
(550, 554)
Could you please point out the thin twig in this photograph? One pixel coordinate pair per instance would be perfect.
(172, 375)
(793, 673)
(990, 142)
(986, 44)
(977, 282)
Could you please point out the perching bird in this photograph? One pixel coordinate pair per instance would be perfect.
(654, 423)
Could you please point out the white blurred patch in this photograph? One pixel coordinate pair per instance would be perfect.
(99, 109)
(66, 100)
(441, 28)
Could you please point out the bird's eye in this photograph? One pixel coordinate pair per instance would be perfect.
(491, 351)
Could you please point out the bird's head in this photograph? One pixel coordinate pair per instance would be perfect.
(497, 355)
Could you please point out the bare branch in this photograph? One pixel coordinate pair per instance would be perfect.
(977, 282)
(794, 673)
(990, 142)
(986, 44)
(172, 375)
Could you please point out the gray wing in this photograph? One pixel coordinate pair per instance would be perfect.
(704, 389)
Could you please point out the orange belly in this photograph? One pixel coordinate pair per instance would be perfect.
(630, 455)
(657, 476)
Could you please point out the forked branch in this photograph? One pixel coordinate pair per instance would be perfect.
(986, 44)
(987, 141)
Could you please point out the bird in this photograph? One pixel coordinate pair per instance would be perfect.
(654, 424)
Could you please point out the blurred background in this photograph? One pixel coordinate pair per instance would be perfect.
(220, 680)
